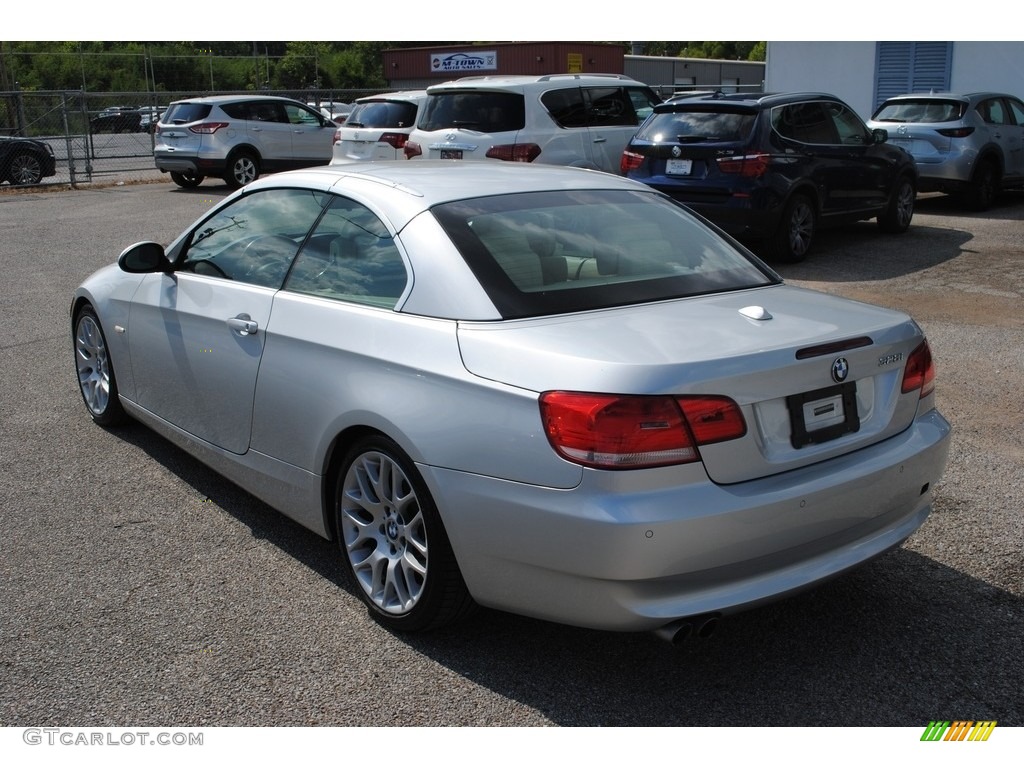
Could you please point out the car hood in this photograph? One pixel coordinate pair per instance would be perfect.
(716, 345)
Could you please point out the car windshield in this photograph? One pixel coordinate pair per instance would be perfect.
(689, 126)
(483, 111)
(921, 111)
(383, 114)
(547, 253)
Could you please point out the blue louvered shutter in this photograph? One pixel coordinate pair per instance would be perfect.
(911, 67)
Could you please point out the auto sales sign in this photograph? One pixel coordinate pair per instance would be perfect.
(464, 61)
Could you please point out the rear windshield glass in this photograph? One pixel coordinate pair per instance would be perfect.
(923, 111)
(483, 111)
(186, 112)
(546, 253)
(697, 126)
(383, 114)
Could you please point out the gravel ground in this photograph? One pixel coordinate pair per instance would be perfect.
(140, 589)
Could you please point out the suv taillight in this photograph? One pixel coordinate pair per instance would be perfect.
(396, 140)
(411, 150)
(207, 128)
(517, 153)
(956, 133)
(337, 135)
(920, 371)
(745, 165)
(630, 161)
(634, 432)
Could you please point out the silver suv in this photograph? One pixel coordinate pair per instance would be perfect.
(237, 138)
(580, 120)
(971, 145)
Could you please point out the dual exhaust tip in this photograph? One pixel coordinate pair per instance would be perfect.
(697, 627)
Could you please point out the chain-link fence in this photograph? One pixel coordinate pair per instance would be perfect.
(107, 137)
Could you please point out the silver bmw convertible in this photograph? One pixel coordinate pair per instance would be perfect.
(545, 390)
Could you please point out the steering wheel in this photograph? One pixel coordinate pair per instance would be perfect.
(268, 257)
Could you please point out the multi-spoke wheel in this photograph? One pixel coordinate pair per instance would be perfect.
(95, 372)
(792, 239)
(25, 168)
(243, 168)
(900, 209)
(393, 541)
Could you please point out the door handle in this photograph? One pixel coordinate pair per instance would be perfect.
(243, 324)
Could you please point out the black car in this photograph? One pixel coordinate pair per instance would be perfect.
(772, 168)
(25, 161)
(117, 120)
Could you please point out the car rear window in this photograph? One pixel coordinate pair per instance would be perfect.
(383, 114)
(547, 253)
(920, 111)
(186, 112)
(693, 126)
(483, 111)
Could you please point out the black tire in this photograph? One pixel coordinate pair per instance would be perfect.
(900, 210)
(186, 180)
(792, 240)
(243, 168)
(24, 168)
(983, 188)
(393, 542)
(96, 380)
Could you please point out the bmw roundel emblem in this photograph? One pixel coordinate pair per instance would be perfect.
(840, 370)
(676, 152)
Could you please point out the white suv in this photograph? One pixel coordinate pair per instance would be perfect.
(377, 127)
(580, 120)
(237, 138)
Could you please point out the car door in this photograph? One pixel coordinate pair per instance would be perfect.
(197, 334)
(270, 131)
(612, 118)
(1005, 118)
(312, 136)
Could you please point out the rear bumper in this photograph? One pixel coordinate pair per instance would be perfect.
(635, 551)
(190, 164)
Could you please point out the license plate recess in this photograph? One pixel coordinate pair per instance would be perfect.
(823, 415)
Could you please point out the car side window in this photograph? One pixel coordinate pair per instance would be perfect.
(267, 112)
(1017, 109)
(300, 115)
(609, 106)
(255, 238)
(644, 101)
(350, 256)
(805, 122)
(566, 107)
(849, 127)
(992, 112)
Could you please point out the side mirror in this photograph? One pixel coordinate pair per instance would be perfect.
(144, 258)
(879, 135)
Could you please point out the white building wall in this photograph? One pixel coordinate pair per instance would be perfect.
(987, 66)
(847, 69)
(844, 69)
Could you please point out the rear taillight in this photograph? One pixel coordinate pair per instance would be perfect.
(956, 133)
(630, 161)
(337, 135)
(396, 140)
(206, 128)
(920, 371)
(745, 165)
(516, 153)
(632, 432)
(411, 150)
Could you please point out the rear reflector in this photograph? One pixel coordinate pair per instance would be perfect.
(633, 432)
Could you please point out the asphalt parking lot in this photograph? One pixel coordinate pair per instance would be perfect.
(140, 589)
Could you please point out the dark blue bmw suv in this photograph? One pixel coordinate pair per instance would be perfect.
(773, 168)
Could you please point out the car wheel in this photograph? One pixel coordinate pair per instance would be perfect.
(95, 372)
(242, 169)
(792, 239)
(982, 191)
(25, 168)
(393, 542)
(900, 209)
(186, 180)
